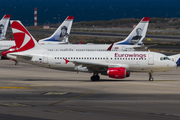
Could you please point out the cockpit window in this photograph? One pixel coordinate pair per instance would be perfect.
(164, 58)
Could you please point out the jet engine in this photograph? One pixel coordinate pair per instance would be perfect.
(118, 73)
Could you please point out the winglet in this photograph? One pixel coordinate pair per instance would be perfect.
(110, 47)
(66, 61)
(80, 42)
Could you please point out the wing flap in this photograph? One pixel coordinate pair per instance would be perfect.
(97, 67)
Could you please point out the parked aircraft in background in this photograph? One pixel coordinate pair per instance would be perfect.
(54, 39)
(52, 43)
(3, 26)
(131, 43)
(115, 64)
(4, 44)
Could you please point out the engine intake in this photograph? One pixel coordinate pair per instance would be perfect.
(118, 73)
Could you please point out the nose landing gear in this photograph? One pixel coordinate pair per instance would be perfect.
(150, 76)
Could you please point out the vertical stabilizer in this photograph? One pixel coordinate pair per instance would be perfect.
(138, 34)
(23, 39)
(3, 26)
(61, 34)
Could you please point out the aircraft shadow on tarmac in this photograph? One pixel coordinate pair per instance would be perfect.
(102, 80)
(113, 80)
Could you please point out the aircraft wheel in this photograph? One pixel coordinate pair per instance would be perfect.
(16, 63)
(95, 78)
(151, 79)
(2, 58)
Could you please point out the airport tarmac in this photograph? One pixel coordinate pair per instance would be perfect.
(29, 92)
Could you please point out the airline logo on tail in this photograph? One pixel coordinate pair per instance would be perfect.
(3, 26)
(23, 39)
(62, 33)
(138, 33)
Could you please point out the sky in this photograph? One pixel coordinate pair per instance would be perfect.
(88, 10)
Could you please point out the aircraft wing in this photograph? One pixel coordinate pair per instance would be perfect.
(92, 66)
(96, 67)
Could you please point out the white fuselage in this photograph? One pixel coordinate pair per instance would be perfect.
(132, 61)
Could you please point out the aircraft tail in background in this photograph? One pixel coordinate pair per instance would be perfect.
(61, 34)
(138, 34)
(3, 26)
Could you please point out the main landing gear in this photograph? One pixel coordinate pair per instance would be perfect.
(150, 76)
(95, 77)
(16, 63)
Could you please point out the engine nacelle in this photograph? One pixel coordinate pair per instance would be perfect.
(118, 73)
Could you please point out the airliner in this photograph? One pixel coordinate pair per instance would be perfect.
(115, 64)
(131, 43)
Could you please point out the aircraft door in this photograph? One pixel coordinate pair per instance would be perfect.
(151, 59)
(45, 58)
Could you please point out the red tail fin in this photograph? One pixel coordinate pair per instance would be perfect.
(23, 39)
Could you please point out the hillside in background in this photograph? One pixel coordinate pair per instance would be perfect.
(155, 23)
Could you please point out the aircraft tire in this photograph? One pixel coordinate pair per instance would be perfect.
(95, 78)
(151, 79)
